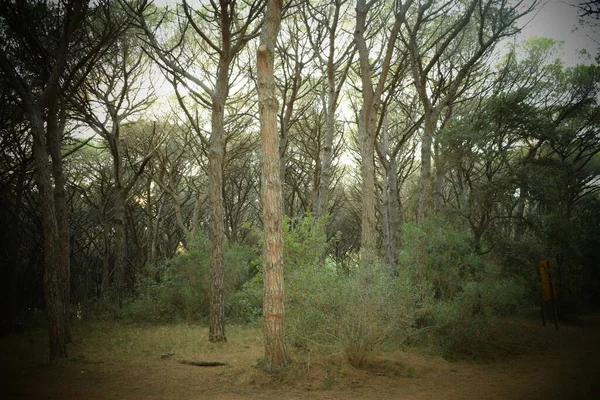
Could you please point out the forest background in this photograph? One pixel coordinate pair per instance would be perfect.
(428, 163)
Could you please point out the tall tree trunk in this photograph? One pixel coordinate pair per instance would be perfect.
(520, 212)
(119, 237)
(439, 183)
(54, 131)
(426, 184)
(390, 209)
(321, 207)
(150, 249)
(271, 188)
(215, 177)
(14, 256)
(369, 118)
(55, 274)
(105, 264)
(368, 237)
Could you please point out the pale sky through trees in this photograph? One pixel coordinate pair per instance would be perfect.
(559, 20)
(556, 19)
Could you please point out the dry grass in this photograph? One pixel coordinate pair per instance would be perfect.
(123, 343)
(111, 360)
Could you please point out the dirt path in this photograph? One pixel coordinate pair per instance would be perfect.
(541, 364)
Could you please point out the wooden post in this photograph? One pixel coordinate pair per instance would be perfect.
(548, 290)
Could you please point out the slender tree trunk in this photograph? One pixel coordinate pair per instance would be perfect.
(389, 212)
(119, 237)
(14, 256)
(54, 131)
(150, 250)
(368, 120)
(440, 166)
(321, 208)
(105, 266)
(271, 188)
(426, 184)
(55, 274)
(520, 212)
(215, 176)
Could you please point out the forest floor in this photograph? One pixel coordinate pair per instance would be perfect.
(112, 360)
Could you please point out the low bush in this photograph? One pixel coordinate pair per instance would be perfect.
(354, 313)
(440, 253)
(178, 289)
(467, 324)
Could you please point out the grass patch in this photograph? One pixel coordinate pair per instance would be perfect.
(121, 342)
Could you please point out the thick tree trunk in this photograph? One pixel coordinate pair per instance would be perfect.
(54, 132)
(215, 179)
(55, 271)
(271, 188)
(368, 235)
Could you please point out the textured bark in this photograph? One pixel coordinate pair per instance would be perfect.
(271, 191)
(118, 223)
(105, 264)
(390, 207)
(368, 238)
(426, 184)
(215, 182)
(371, 96)
(14, 255)
(367, 132)
(334, 88)
(440, 179)
(55, 274)
(322, 198)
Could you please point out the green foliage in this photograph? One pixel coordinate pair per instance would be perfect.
(245, 305)
(355, 313)
(467, 324)
(333, 309)
(178, 289)
(439, 252)
(305, 242)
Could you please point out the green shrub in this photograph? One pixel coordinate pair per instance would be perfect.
(467, 324)
(245, 305)
(354, 313)
(440, 253)
(304, 245)
(178, 289)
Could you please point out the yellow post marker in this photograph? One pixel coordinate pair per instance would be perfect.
(549, 293)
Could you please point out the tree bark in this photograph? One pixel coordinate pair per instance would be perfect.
(390, 209)
(55, 270)
(368, 119)
(118, 222)
(273, 291)
(426, 184)
(14, 256)
(215, 179)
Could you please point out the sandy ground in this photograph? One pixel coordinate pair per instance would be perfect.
(539, 364)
